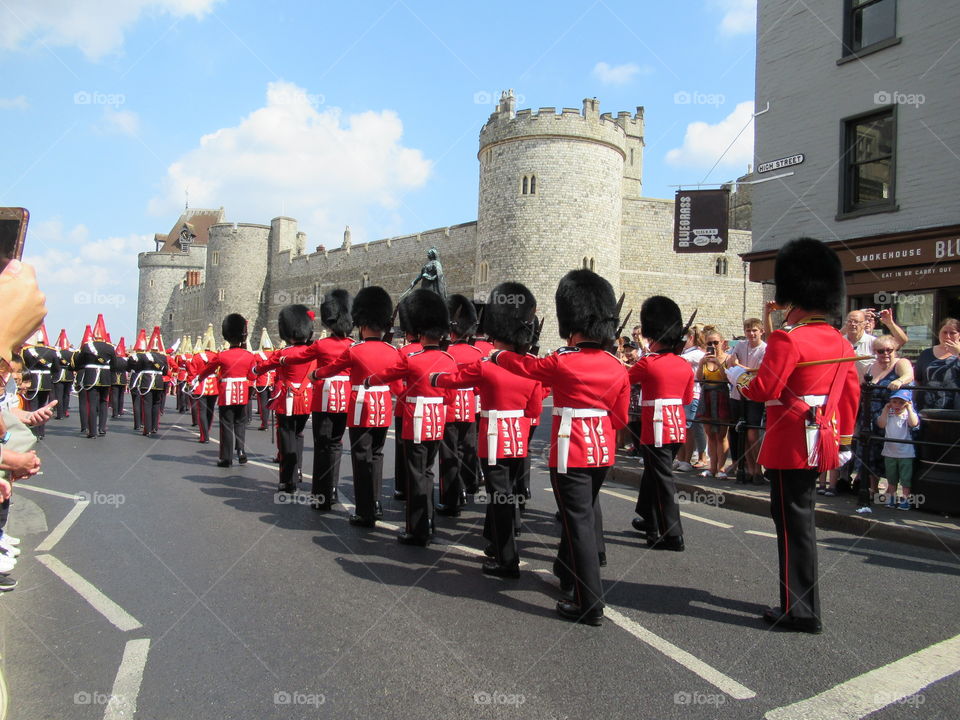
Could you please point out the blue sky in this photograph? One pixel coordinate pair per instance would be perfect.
(364, 114)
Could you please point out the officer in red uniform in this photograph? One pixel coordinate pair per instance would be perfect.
(367, 409)
(399, 459)
(458, 451)
(204, 394)
(591, 397)
(666, 381)
(293, 393)
(509, 402)
(234, 368)
(811, 412)
(424, 314)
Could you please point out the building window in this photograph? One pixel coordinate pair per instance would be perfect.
(588, 263)
(868, 22)
(365, 280)
(215, 258)
(221, 294)
(720, 266)
(868, 163)
(483, 272)
(528, 186)
(151, 282)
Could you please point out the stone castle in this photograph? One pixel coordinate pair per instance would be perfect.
(558, 191)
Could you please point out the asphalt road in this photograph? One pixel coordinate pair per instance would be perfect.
(205, 598)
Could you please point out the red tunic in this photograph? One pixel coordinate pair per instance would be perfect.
(408, 349)
(209, 385)
(509, 404)
(183, 365)
(423, 405)
(332, 390)
(591, 396)
(666, 380)
(292, 390)
(484, 346)
(267, 380)
(235, 371)
(789, 392)
(463, 401)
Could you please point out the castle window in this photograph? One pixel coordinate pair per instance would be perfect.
(528, 185)
(215, 258)
(525, 181)
(720, 266)
(365, 280)
(589, 263)
(151, 282)
(483, 272)
(631, 156)
(221, 294)
(533, 184)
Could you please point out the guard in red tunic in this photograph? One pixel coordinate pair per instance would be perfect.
(263, 385)
(293, 393)
(458, 451)
(234, 369)
(183, 361)
(591, 396)
(509, 402)
(666, 381)
(423, 313)
(399, 460)
(367, 409)
(811, 410)
(204, 394)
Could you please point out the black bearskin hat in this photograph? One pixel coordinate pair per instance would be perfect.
(335, 312)
(423, 312)
(661, 321)
(586, 305)
(808, 275)
(510, 316)
(234, 329)
(295, 324)
(372, 308)
(463, 315)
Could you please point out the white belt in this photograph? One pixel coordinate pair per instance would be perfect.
(563, 432)
(288, 399)
(97, 367)
(658, 406)
(40, 372)
(493, 429)
(811, 400)
(150, 372)
(325, 392)
(362, 391)
(419, 401)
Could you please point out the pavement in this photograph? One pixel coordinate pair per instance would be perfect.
(915, 527)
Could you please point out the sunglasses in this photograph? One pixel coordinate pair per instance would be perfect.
(883, 351)
(714, 342)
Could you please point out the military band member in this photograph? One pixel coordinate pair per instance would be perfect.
(183, 358)
(63, 381)
(204, 394)
(234, 369)
(263, 384)
(293, 393)
(118, 382)
(151, 366)
(134, 360)
(458, 451)
(509, 402)
(811, 412)
(591, 397)
(93, 363)
(399, 459)
(424, 314)
(666, 381)
(41, 363)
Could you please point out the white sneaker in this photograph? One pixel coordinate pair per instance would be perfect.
(8, 538)
(865, 510)
(684, 466)
(7, 564)
(676, 464)
(7, 549)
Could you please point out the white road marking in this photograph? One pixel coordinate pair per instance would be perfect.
(760, 533)
(60, 530)
(713, 676)
(47, 491)
(878, 688)
(100, 602)
(126, 685)
(689, 516)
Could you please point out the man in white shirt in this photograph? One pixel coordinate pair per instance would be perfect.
(748, 355)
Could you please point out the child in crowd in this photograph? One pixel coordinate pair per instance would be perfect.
(898, 419)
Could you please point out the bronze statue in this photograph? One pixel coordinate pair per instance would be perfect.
(431, 276)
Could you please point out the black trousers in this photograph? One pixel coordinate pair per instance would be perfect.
(290, 439)
(523, 481)
(327, 450)
(136, 401)
(657, 501)
(420, 458)
(501, 481)
(39, 400)
(151, 403)
(117, 393)
(61, 393)
(792, 499)
(233, 430)
(399, 457)
(263, 406)
(203, 409)
(183, 402)
(577, 561)
(366, 457)
(93, 405)
(458, 462)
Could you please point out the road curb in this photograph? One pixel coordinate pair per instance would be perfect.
(827, 518)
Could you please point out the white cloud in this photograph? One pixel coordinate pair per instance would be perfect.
(703, 143)
(619, 74)
(96, 27)
(739, 16)
(123, 122)
(18, 103)
(291, 158)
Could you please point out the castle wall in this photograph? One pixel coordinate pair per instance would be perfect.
(237, 260)
(161, 278)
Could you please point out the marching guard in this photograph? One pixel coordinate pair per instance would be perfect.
(134, 360)
(118, 381)
(410, 347)
(41, 363)
(809, 383)
(63, 381)
(204, 396)
(263, 384)
(151, 366)
(591, 396)
(93, 363)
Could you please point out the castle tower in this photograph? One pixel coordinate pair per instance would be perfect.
(161, 277)
(551, 197)
(237, 259)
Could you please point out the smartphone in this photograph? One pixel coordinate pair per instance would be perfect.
(13, 233)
